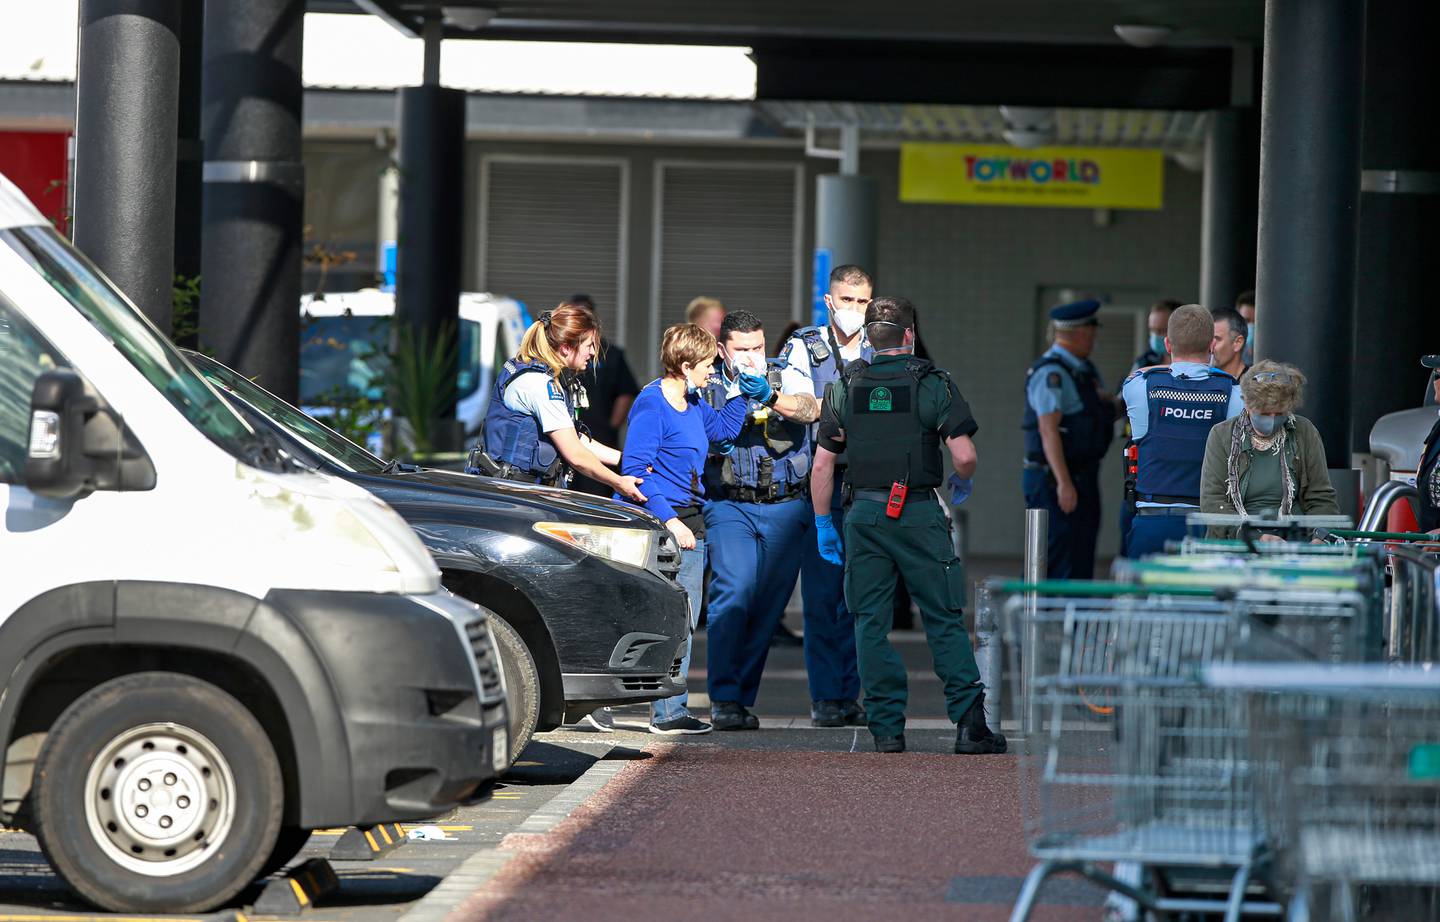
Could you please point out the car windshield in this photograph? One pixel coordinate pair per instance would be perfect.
(73, 275)
(305, 429)
(343, 358)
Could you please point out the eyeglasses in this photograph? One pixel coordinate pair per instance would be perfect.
(1281, 376)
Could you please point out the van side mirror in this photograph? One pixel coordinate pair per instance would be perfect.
(78, 444)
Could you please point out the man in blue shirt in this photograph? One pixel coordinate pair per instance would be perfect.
(1068, 424)
(1172, 409)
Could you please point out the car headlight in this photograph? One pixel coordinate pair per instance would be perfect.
(631, 546)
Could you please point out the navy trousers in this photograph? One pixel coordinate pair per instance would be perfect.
(1071, 545)
(830, 661)
(1148, 533)
(755, 554)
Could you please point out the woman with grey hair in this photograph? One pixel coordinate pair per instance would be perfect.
(1267, 460)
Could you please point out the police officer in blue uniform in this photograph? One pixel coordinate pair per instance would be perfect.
(1068, 424)
(1427, 479)
(814, 358)
(757, 520)
(531, 434)
(1172, 409)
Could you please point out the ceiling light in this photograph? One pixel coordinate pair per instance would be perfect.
(1142, 36)
(1028, 137)
(470, 18)
(1027, 117)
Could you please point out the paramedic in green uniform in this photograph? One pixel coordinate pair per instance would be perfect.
(891, 416)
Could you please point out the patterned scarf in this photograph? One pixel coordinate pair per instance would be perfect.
(1241, 431)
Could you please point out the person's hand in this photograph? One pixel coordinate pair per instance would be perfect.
(725, 447)
(1275, 538)
(755, 386)
(1067, 497)
(685, 536)
(960, 489)
(629, 487)
(831, 549)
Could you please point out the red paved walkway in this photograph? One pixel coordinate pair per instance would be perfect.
(705, 832)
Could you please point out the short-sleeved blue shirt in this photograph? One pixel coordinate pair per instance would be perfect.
(1051, 388)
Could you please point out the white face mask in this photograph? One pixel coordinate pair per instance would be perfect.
(849, 322)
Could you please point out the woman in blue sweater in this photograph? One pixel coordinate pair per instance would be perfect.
(669, 436)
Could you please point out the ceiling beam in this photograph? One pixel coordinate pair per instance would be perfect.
(393, 14)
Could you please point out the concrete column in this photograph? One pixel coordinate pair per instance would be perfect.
(845, 216)
(1396, 318)
(1309, 201)
(189, 152)
(1227, 215)
(254, 189)
(432, 182)
(127, 81)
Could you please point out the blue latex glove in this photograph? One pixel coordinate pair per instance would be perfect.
(755, 386)
(959, 489)
(725, 447)
(830, 547)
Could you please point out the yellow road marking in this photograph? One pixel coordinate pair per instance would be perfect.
(504, 796)
(299, 892)
(527, 764)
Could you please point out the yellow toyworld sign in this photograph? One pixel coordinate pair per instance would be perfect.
(1045, 177)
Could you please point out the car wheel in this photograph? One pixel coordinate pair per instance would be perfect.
(522, 684)
(157, 792)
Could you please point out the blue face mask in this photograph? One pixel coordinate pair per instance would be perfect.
(1266, 423)
(1157, 343)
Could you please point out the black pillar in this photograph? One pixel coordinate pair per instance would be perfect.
(253, 189)
(430, 222)
(1396, 320)
(127, 79)
(1227, 215)
(189, 155)
(1309, 201)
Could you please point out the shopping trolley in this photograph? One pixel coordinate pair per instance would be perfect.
(1348, 784)
(1130, 758)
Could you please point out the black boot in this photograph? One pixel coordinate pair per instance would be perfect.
(727, 715)
(855, 715)
(827, 714)
(972, 736)
(890, 743)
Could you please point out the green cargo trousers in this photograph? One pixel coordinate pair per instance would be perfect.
(917, 545)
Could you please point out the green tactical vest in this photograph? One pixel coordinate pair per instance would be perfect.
(884, 437)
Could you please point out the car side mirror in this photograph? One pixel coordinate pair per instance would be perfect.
(78, 444)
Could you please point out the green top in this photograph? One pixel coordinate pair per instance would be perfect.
(934, 395)
(1262, 486)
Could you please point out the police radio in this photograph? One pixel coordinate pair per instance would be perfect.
(896, 503)
(1132, 471)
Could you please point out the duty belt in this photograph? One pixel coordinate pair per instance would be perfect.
(873, 496)
(742, 494)
(1166, 510)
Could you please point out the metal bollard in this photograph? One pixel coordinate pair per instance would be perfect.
(1037, 533)
(989, 654)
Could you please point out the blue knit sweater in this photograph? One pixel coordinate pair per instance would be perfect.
(666, 447)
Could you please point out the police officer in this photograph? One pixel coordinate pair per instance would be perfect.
(757, 521)
(530, 424)
(1068, 425)
(1172, 409)
(890, 417)
(1158, 319)
(1427, 479)
(813, 358)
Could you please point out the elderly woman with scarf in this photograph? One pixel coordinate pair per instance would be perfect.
(1267, 460)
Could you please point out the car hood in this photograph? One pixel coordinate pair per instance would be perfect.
(435, 495)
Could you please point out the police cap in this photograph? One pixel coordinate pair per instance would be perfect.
(1430, 361)
(1076, 314)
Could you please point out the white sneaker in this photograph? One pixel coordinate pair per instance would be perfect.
(601, 720)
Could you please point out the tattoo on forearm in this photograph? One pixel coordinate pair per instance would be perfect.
(807, 408)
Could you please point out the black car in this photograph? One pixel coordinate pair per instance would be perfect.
(584, 587)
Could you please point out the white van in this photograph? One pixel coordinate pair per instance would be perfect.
(205, 651)
(342, 335)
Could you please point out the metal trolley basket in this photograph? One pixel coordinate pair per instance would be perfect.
(1349, 784)
(1129, 757)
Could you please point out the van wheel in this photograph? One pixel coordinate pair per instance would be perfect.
(157, 792)
(522, 684)
(287, 845)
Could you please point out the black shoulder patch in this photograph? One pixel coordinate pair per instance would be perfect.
(1053, 380)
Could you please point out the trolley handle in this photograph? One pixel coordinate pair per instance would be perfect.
(1418, 537)
(1101, 589)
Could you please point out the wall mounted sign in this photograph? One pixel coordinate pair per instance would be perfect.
(1044, 177)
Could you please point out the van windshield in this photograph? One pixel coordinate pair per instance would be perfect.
(345, 357)
(73, 275)
(303, 428)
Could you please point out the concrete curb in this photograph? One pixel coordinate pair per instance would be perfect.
(480, 868)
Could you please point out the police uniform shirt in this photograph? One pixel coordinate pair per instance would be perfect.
(1137, 408)
(940, 404)
(795, 375)
(1050, 389)
(541, 396)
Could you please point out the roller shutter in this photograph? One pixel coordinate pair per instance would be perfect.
(729, 232)
(552, 228)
